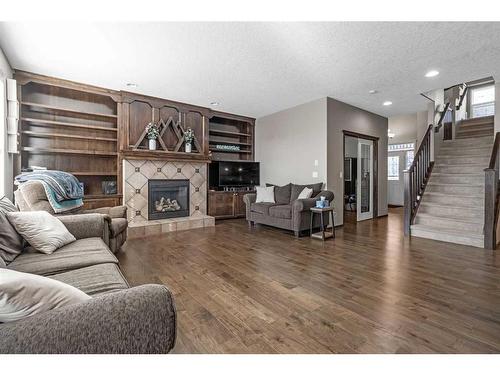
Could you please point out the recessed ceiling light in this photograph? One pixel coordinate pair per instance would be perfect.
(388, 102)
(131, 84)
(431, 73)
(372, 91)
(214, 104)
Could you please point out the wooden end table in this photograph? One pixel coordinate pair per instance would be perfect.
(324, 233)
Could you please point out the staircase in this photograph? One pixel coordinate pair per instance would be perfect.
(452, 208)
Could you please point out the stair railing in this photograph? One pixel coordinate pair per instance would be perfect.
(491, 197)
(416, 178)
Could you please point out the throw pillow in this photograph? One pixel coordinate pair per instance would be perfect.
(44, 232)
(11, 242)
(306, 193)
(24, 294)
(297, 189)
(265, 194)
(282, 193)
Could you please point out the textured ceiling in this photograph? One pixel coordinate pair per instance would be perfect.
(260, 68)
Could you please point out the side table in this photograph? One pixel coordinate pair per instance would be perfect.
(324, 233)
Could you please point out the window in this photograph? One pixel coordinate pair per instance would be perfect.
(409, 158)
(483, 101)
(393, 168)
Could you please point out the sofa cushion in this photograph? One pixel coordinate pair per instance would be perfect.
(282, 193)
(24, 294)
(81, 253)
(283, 211)
(117, 226)
(94, 280)
(297, 189)
(11, 242)
(44, 232)
(261, 208)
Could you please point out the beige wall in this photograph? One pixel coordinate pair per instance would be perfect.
(6, 160)
(404, 127)
(342, 116)
(288, 142)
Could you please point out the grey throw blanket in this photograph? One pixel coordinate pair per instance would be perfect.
(64, 185)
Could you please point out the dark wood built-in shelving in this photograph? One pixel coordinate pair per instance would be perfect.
(71, 127)
(51, 108)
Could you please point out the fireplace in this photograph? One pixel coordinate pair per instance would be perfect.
(168, 199)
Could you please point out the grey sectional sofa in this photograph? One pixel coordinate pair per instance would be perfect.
(118, 319)
(287, 212)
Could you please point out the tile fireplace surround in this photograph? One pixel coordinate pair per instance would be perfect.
(136, 174)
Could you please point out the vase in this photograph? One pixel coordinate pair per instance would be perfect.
(188, 147)
(152, 144)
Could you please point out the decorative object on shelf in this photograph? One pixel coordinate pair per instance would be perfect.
(322, 203)
(188, 138)
(153, 133)
(227, 147)
(109, 187)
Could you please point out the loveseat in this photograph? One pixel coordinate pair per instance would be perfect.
(288, 212)
(31, 196)
(117, 319)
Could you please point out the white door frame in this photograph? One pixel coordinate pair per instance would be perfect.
(368, 214)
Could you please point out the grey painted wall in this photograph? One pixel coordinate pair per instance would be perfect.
(6, 160)
(288, 142)
(342, 116)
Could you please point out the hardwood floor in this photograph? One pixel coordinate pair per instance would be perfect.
(260, 290)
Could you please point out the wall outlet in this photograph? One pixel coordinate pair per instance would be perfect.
(341, 174)
(316, 162)
(315, 174)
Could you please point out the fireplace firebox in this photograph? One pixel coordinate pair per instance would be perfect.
(168, 199)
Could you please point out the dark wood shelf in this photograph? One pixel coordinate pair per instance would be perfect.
(69, 136)
(232, 151)
(67, 124)
(165, 155)
(230, 143)
(93, 173)
(67, 110)
(225, 132)
(35, 150)
(101, 196)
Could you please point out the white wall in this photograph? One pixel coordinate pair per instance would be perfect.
(404, 127)
(288, 142)
(6, 160)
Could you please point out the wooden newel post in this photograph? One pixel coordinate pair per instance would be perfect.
(408, 204)
(490, 192)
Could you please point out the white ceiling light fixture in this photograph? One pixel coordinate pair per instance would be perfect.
(431, 73)
(372, 92)
(214, 104)
(387, 102)
(131, 84)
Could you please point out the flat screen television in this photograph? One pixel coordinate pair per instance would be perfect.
(233, 174)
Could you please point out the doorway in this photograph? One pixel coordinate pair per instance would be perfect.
(360, 177)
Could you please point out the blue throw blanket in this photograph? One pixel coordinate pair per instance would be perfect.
(64, 185)
(64, 192)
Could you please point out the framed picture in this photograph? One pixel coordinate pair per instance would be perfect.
(109, 187)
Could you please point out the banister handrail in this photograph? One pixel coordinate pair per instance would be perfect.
(494, 152)
(427, 132)
(416, 178)
(491, 197)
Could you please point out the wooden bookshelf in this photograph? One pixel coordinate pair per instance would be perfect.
(73, 128)
(229, 129)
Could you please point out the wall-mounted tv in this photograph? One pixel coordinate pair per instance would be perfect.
(233, 174)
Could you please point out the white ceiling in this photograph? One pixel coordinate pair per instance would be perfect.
(256, 69)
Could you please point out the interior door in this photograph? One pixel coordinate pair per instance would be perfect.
(364, 184)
